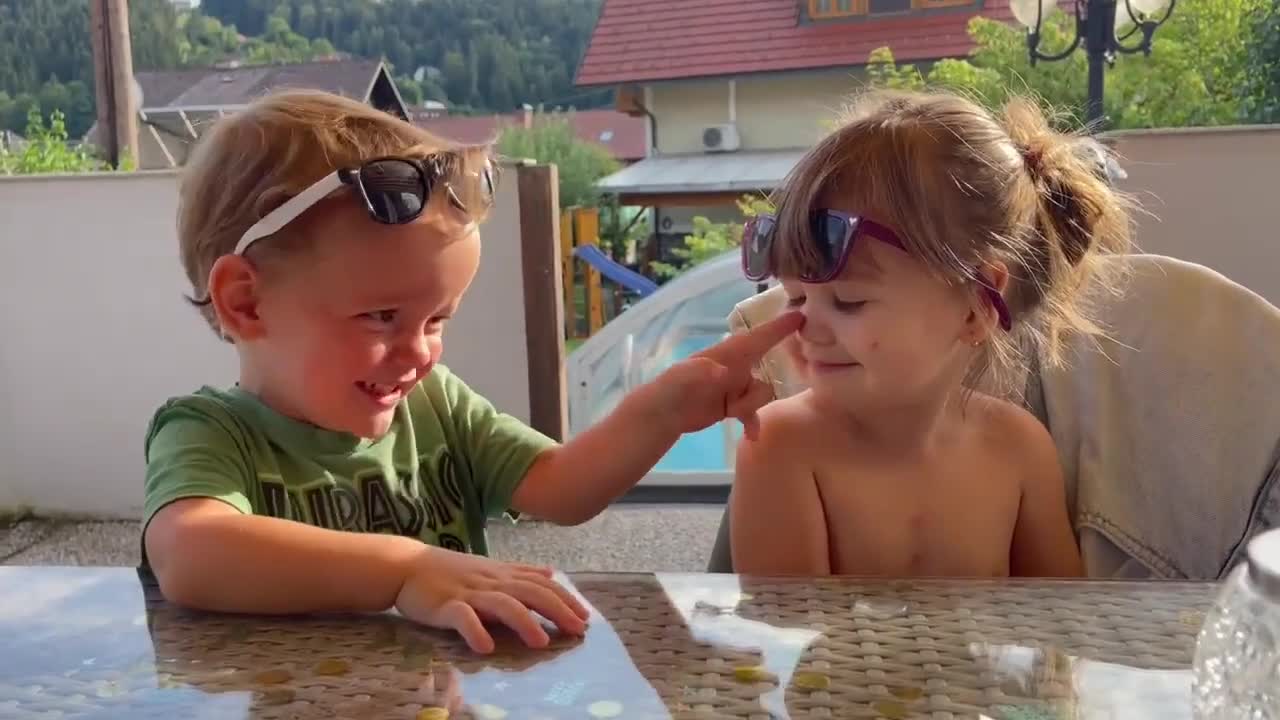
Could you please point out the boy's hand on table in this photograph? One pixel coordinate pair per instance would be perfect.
(447, 589)
(718, 382)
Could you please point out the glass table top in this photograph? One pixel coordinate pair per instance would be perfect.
(102, 643)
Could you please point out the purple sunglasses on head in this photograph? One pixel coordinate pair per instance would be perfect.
(833, 234)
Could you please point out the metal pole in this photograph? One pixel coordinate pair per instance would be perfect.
(1099, 27)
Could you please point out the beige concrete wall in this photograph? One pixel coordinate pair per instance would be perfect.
(772, 111)
(790, 111)
(681, 110)
(95, 334)
(1213, 196)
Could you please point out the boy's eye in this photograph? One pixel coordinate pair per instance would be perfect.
(795, 302)
(438, 321)
(848, 306)
(380, 316)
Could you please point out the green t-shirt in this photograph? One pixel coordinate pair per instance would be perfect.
(448, 463)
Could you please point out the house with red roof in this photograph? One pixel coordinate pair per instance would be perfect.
(733, 91)
(621, 134)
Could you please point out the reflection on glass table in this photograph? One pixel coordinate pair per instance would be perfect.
(101, 643)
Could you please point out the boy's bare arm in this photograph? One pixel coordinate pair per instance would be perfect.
(209, 556)
(776, 518)
(573, 483)
(1044, 544)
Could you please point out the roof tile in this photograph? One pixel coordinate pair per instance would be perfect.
(241, 85)
(645, 40)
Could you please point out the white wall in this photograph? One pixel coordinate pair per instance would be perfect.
(1210, 196)
(94, 334)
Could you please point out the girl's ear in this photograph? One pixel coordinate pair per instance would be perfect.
(984, 318)
(996, 274)
(234, 293)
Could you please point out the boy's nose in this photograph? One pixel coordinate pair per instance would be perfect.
(418, 350)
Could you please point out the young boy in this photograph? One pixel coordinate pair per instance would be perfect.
(348, 470)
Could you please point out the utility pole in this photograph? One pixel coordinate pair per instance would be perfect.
(113, 79)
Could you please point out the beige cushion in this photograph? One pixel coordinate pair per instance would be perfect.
(757, 309)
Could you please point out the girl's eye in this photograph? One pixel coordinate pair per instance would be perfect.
(795, 302)
(848, 306)
(385, 317)
(437, 322)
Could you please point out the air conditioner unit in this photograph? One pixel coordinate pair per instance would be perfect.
(721, 138)
(670, 224)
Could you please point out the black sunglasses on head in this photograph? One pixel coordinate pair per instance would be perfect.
(394, 190)
(833, 234)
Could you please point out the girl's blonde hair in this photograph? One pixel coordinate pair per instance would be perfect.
(963, 188)
(251, 162)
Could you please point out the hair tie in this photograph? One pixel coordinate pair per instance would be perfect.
(1031, 158)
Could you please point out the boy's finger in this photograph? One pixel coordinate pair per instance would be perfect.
(569, 599)
(453, 691)
(749, 347)
(544, 601)
(750, 426)
(542, 570)
(441, 693)
(507, 610)
(548, 581)
(462, 618)
(744, 407)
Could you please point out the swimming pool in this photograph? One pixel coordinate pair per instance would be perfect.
(703, 451)
(688, 314)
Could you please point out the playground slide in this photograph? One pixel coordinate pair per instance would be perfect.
(620, 274)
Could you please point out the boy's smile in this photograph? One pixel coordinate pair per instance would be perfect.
(345, 330)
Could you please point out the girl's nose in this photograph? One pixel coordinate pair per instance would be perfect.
(815, 330)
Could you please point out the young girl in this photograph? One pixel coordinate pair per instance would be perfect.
(925, 241)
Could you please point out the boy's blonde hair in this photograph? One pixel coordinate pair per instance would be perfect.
(251, 162)
(963, 187)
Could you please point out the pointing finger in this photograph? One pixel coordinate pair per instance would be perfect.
(749, 347)
(744, 407)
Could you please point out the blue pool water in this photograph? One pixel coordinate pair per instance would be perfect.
(703, 451)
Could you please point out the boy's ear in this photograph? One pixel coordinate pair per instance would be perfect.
(233, 291)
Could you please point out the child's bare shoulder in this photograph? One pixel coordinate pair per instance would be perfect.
(1016, 431)
(786, 427)
(790, 419)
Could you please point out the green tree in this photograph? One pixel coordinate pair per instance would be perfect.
(551, 140)
(1261, 94)
(709, 239)
(488, 56)
(46, 150)
(1197, 71)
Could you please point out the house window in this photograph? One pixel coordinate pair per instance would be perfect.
(890, 6)
(824, 9)
(832, 9)
(928, 4)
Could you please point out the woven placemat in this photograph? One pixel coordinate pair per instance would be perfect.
(695, 646)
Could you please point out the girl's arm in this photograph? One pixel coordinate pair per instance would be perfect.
(777, 523)
(1044, 544)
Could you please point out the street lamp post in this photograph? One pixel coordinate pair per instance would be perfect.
(1104, 26)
